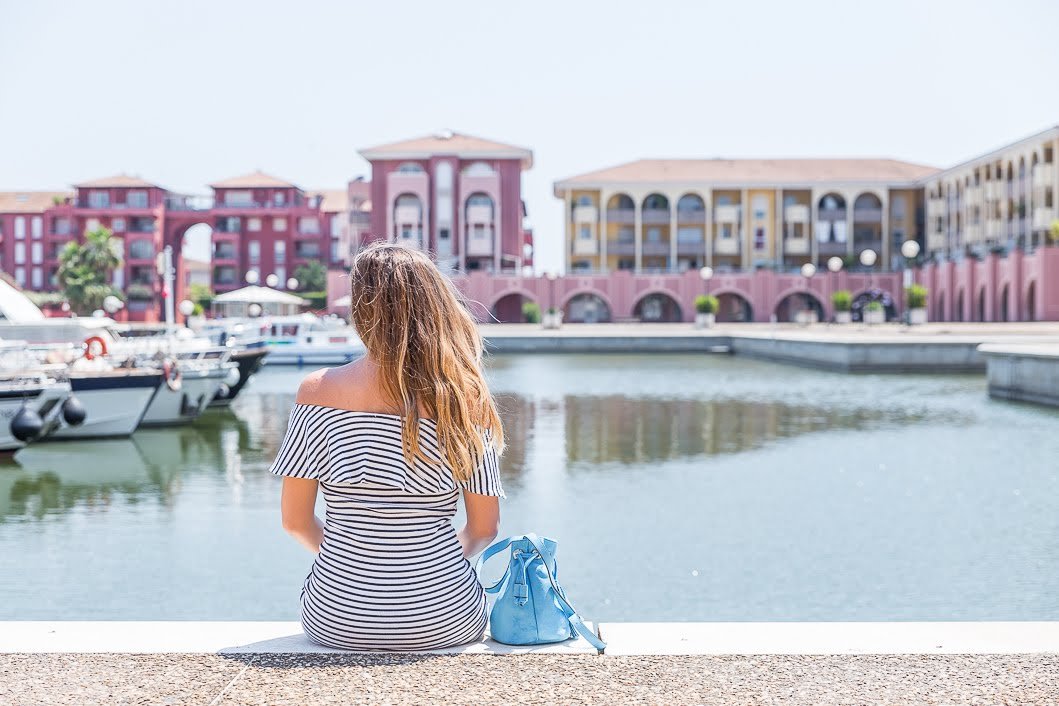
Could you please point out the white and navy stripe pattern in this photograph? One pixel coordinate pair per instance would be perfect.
(390, 574)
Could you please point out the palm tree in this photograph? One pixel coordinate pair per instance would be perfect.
(85, 270)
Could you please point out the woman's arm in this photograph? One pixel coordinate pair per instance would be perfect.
(483, 522)
(298, 507)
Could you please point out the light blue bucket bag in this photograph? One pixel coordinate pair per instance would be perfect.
(530, 606)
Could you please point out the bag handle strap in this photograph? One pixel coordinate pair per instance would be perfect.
(568, 610)
(490, 552)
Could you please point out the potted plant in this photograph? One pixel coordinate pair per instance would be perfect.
(874, 313)
(552, 319)
(1053, 232)
(916, 301)
(842, 300)
(531, 312)
(706, 306)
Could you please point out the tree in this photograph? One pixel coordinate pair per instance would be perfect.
(312, 277)
(1053, 232)
(85, 270)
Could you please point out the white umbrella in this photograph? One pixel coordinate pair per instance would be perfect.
(259, 295)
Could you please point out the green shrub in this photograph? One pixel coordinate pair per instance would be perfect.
(317, 300)
(706, 304)
(842, 300)
(531, 312)
(873, 306)
(916, 296)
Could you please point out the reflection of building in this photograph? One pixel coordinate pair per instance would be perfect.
(457, 196)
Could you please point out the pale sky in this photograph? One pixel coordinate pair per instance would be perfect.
(185, 93)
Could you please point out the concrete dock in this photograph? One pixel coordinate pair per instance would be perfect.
(214, 664)
(1025, 372)
(886, 348)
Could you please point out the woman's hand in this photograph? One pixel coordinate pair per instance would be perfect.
(298, 507)
(483, 522)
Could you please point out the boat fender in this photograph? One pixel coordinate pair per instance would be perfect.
(172, 375)
(27, 424)
(73, 411)
(95, 346)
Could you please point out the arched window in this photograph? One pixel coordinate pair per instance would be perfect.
(867, 201)
(691, 202)
(832, 202)
(621, 202)
(407, 200)
(480, 200)
(410, 168)
(479, 169)
(760, 205)
(656, 202)
(584, 200)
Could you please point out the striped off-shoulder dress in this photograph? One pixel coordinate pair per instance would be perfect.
(390, 574)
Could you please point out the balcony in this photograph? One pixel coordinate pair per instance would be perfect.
(796, 213)
(726, 214)
(480, 215)
(937, 207)
(831, 247)
(408, 215)
(831, 215)
(867, 215)
(796, 246)
(621, 215)
(307, 251)
(726, 246)
(656, 216)
(586, 246)
(1043, 174)
(994, 230)
(1043, 217)
(937, 241)
(655, 248)
(692, 215)
(479, 247)
(224, 253)
(586, 214)
(972, 194)
(691, 247)
(621, 247)
(972, 232)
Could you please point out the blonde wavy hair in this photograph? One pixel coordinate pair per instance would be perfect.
(418, 331)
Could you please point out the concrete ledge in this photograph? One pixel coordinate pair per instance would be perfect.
(1023, 372)
(236, 638)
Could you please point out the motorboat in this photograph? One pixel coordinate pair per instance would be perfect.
(30, 405)
(189, 385)
(300, 339)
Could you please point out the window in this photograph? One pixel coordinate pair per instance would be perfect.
(20, 253)
(585, 233)
(899, 207)
(478, 231)
(279, 198)
(760, 205)
(20, 276)
(20, 227)
(37, 227)
(279, 224)
(626, 234)
(726, 231)
(37, 280)
(444, 233)
(279, 251)
(281, 274)
(238, 198)
(759, 238)
(253, 225)
(229, 224)
(142, 224)
(724, 200)
(118, 278)
(61, 226)
(91, 224)
(141, 249)
(309, 225)
(117, 225)
(584, 200)
(406, 231)
(37, 253)
(253, 251)
(479, 169)
(98, 199)
(410, 168)
(654, 235)
(136, 199)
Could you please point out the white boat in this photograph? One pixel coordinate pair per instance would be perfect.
(187, 391)
(37, 395)
(114, 402)
(301, 339)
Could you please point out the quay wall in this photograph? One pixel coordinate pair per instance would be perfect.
(1026, 373)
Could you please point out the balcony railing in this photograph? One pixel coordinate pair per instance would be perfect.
(655, 247)
(796, 213)
(1043, 175)
(691, 247)
(831, 247)
(937, 241)
(860, 245)
(224, 254)
(726, 214)
(796, 246)
(621, 247)
(188, 203)
(691, 215)
(585, 214)
(727, 246)
(585, 246)
(307, 252)
(867, 215)
(1043, 217)
(656, 216)
(831, 215)
(621, 215)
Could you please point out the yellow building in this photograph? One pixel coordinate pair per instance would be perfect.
(665, 215)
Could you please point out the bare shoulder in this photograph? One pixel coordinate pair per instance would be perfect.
(329, 387)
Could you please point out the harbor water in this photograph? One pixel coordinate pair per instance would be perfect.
(679, 487)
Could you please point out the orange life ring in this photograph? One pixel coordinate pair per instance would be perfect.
(98, 340)
(172, 375)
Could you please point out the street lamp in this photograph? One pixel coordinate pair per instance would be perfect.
(834, 266)
(292, 283)
(868, 258)
(254, 310)
(272, 280)
(706, 273)
(252, 276)
(808, 270)
(909, 251)
(551, 318)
